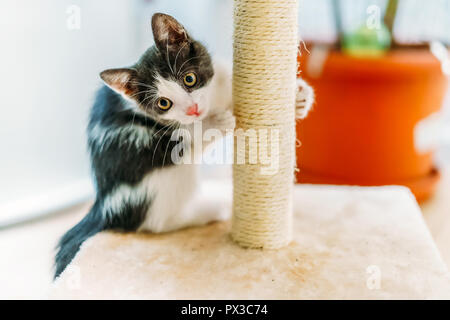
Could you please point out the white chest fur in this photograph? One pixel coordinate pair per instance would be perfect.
(171, 190)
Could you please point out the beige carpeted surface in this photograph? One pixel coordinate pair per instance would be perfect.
(350, 243)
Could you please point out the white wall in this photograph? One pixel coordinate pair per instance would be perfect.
(49, 74)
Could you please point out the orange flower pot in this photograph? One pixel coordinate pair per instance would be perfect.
(364, 125)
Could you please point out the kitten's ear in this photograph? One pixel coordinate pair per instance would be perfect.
(120, 80)
(168, 32)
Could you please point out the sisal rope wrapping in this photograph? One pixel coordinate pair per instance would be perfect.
(264, 90)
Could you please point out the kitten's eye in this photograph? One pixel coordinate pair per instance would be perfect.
(164, 104)
(190, 79)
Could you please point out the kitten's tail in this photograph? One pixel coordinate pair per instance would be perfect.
(70, 243)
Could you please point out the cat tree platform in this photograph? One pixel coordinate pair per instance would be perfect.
(349, 243)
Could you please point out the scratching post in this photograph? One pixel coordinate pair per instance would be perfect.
(264, 88)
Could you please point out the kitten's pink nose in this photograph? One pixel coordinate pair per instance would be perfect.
(193, 110)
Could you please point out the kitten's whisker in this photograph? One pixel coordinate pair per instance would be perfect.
(156, 133)
(181, 68)
(159, 140)
(134, 116)
(138, 93)
(176, 57)
(146, 98)
(168, 58)
(168, 144)
(141, 83)
(156, 123)
(156, 148)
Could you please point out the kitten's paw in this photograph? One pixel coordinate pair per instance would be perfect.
(304, 99)
(215, 202)
(221, 214)
(208, 213)
(223, 121)
(224, 214)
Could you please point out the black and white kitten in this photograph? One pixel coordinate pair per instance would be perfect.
(130, 138)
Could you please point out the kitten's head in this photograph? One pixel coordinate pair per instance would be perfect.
(170, 81)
